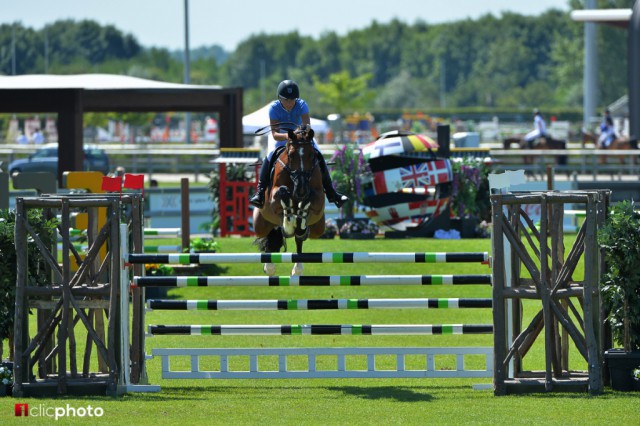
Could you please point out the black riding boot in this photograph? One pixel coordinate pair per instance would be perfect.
(332, 195)
(257, 199)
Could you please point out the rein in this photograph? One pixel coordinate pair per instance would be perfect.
(293, 172)
(267, 129)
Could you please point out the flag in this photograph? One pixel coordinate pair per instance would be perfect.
(415, 176)
(398, 143)
(132, 181)
(112, 184)
(440, 172)
(393, 214)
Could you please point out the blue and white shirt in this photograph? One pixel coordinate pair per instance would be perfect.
(289, 119)
(279, 114)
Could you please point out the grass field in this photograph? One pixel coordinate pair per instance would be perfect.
(340, 401)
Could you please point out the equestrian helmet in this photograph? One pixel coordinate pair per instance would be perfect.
(288, 89)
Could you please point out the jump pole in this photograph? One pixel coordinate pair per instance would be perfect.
(311, 280)
(303, 305)
(355, 257)
(322, 329)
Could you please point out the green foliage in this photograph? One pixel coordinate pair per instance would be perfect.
(347, 174)
(36, 271)
(345, 93)
(510, 60)
(158, 269)
(470, 188)
(206, 245)
(620, 284)
(202, 245)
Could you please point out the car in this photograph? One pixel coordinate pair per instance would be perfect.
(45, 159)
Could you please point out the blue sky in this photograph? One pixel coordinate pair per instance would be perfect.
(161, 22)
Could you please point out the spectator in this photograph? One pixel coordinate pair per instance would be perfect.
(37, 137)
(22, 139)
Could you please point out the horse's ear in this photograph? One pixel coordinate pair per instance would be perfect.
(292, 135)
(310, 133)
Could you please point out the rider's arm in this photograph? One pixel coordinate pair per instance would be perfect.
(278, 134)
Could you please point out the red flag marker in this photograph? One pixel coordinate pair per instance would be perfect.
(112, 184)
(132, 181)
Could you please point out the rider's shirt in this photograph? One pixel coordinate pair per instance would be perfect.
(607, 132)
(539, 129)
(289, 119)
(539, 124)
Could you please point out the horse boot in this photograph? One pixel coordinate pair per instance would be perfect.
(332, 195)
(257, 199)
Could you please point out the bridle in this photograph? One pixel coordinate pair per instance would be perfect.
(298, 211)
(299, 175)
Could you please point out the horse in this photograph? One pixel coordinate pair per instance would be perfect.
(545, 142)
(294, 200)
(621, 143)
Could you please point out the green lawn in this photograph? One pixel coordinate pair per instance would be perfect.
(341, 401)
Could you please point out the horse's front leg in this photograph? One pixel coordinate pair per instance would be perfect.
(298, 267)
(302, 232)
(288, 214)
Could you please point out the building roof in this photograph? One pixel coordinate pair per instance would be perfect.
(615, 17)
(89, 82)
(70, 96)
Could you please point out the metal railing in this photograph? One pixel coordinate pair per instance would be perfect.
(196, 159)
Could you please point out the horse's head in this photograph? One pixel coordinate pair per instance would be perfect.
(302, 161)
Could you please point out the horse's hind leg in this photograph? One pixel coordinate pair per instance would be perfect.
(272, 243)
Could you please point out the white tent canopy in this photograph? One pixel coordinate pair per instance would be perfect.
(260, 118)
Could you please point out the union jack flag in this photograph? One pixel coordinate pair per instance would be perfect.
(415, 176)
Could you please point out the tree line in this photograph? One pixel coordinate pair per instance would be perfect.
(506, 62)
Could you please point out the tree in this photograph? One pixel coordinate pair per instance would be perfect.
(344, 93)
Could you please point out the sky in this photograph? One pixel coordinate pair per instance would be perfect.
(161, 23)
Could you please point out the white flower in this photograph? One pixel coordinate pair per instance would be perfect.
(5, 381)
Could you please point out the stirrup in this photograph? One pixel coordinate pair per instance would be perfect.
(337, 198)
(339, 202)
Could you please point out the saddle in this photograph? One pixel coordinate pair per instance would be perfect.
(272, 165)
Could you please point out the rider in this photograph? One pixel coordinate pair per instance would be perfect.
(539, 131)
(289, 111)
(607, 130)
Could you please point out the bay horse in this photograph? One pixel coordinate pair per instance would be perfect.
(621, 143)
(545, 142)
(294, 200)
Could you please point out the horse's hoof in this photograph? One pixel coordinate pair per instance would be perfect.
(298, 269)
(269, 269)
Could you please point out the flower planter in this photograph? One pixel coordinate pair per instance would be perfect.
(327, 236)
(6, 390)
(357, 236)
(466, 226)
(621, 365)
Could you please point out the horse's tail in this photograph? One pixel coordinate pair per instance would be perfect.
(273, 242)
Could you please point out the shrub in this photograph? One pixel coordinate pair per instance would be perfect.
(620, 284)
(36, 270)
